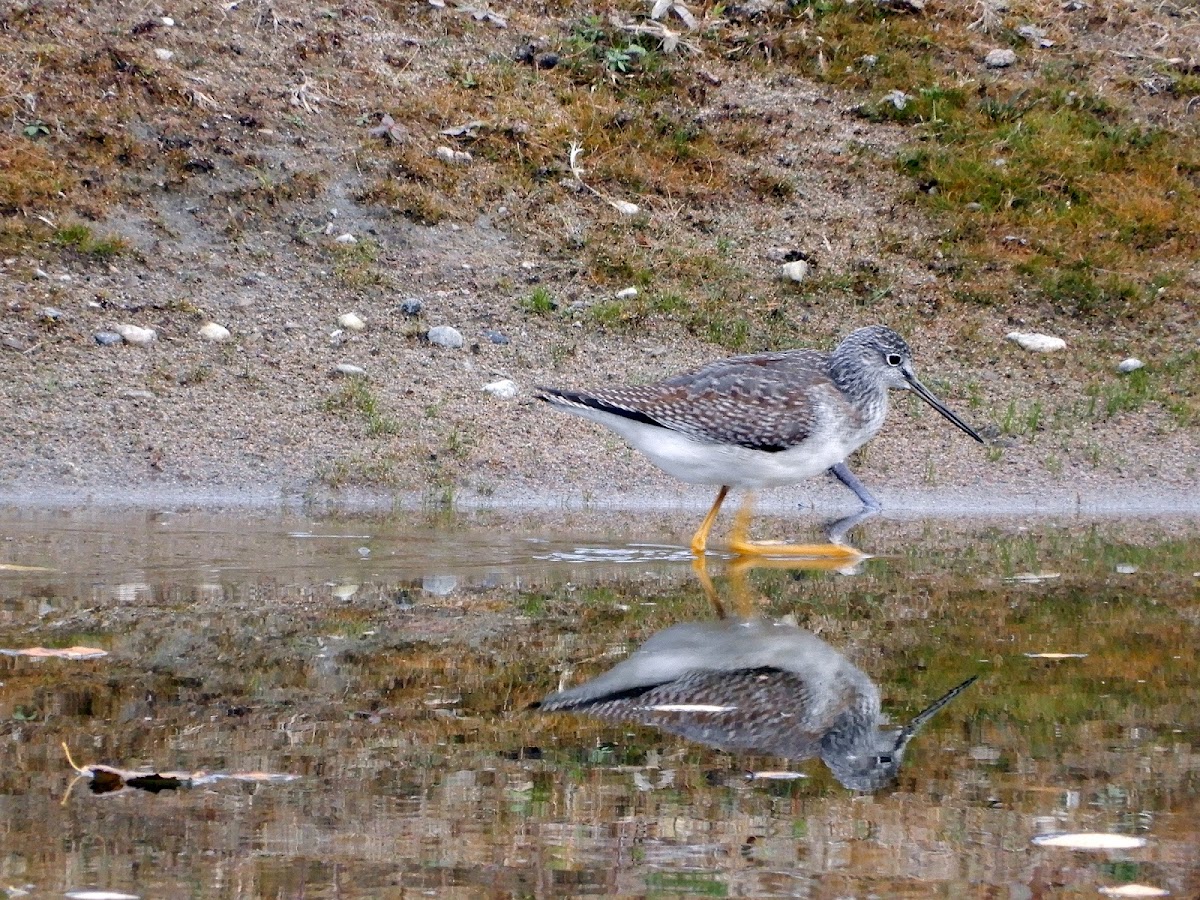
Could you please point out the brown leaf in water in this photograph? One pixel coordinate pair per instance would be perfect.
(106, 779)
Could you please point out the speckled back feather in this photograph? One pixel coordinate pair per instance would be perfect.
(762, 401)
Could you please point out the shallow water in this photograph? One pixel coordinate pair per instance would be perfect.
(388, 664)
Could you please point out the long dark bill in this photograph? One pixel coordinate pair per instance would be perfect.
(926, 714)
(927, 395)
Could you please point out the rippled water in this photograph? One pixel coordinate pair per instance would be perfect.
(388, 663)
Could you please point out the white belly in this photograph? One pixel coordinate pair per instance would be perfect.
(702, 462)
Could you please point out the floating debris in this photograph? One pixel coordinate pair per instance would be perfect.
(72, 653)
(107, 779)
(1134, 890)
(1033, 577)
(1090, 840)
(1038, 343)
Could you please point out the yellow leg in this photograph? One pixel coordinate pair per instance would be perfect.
(743, 547)
(700, 538)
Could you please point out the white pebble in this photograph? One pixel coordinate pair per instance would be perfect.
(135, 334)
(797, 270)
(168, 21)
(627, 293)
(1129, 365)
(214, 332)
(352, 371)
(1000, 58)
(351, 322)
(504, 389)
(898, 99)
(163, 54)
(445, 336)
(346, 238)
(1126, 569)
(452, 156)
(1039, 343)
(625, 208)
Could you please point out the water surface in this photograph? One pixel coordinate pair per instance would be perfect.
(388, 663)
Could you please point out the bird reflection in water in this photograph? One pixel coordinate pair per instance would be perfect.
(752, 685)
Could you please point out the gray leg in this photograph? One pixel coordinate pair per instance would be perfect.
(843, 474)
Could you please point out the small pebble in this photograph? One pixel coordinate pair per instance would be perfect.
(439, 585)
(106, 338)
(452, 156)
(136, 395)
(351, 322)
(625, 208)
(135, 334)
(168, 21)
(797, 270)
(163, 54)
(1129, 365)
(445, 336)
(1000, 58)
(350, 371)
(898, 99)
(214, 332)
(1126, 569)
(496, 337)
(411, 307)
(52, 313)
(364, 552)
(504, 389)
(41, 273)
(1038, 343)
(627, 293)
(346, 238)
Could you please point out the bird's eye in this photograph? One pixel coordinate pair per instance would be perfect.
(893, 359)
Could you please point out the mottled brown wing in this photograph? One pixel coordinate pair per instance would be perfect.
(765, 401)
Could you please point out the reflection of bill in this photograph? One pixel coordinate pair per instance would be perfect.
(754, 685)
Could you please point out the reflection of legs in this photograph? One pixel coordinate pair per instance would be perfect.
(843, 474)
(837, 531)
(700, 567)
(743, 606)
(700, 539)
(743, 547)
